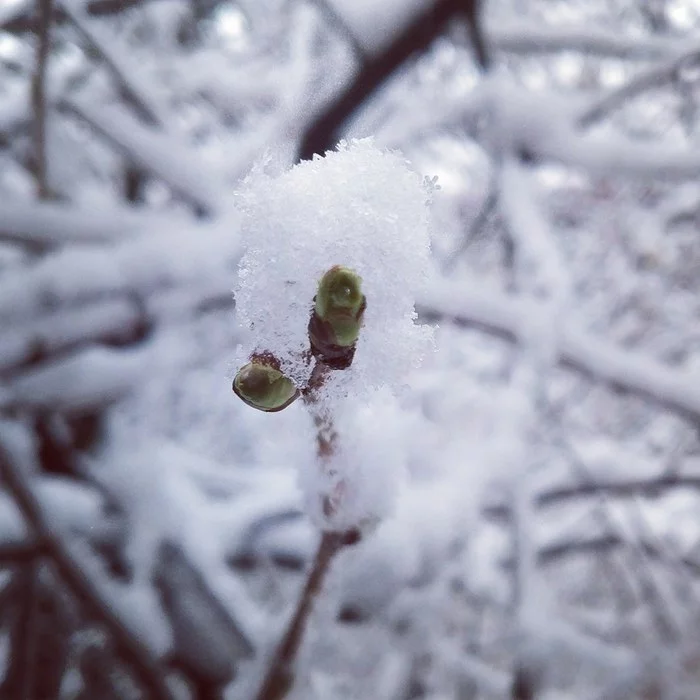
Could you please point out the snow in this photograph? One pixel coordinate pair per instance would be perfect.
(570, 357)
(357, 207)
(174, 253)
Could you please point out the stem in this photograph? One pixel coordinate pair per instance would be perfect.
(280, 676)
(45, 10)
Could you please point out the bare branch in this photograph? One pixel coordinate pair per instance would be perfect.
(39, 101)
(280, 677)
(323, 132)
(337, 21)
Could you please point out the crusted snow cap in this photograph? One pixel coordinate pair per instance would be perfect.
(358, 207)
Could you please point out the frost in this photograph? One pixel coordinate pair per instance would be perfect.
(358, 207)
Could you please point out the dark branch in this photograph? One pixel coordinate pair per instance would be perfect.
(280, 677)
(39, 102)
(323, 133)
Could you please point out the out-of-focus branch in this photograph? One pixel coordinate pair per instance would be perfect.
(39, 101)
(149, 671)
(136, 94)
(472, 11)
(337, 21)
(528, 38)
(651, 78)
(154, 152)
(19, 18)
(503, 316)
(51, 224)
(623, 488)
(596, 544)
(322, 133)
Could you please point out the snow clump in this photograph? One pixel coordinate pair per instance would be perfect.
(359, 207)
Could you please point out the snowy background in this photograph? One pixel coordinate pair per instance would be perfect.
(542, 539)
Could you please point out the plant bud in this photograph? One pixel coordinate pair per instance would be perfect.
(340, 302)
(337, 317)
(264, 387)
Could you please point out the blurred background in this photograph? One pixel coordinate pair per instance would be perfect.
(546, 542)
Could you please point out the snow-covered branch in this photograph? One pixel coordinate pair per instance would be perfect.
(655, 76)
(157, 153)
(48, 224)
(552, 134)
(530, 38)
(504, 316)
(176, 253)
(116, 59)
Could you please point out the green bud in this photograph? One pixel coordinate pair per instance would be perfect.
(264, 387)
(340, 305)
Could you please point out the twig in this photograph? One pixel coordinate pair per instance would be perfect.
(654, 77)
(487, 209)
(323, 131)
(472, 11)
(39, 102)
(342, 27)
(147, 668)
(500, 315)
(280, 676)
(132, 91)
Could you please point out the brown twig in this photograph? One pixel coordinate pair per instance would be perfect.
(280, 676)
(417, 36)
(39, 102)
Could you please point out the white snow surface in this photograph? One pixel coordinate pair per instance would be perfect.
(358, 207)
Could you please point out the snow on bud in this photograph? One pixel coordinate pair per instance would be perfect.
(260, 385)
(358, 208)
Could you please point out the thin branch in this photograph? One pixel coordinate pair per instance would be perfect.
(500, 315)
(472, 11)
(323, 132)
(39, 101)
(624, 488)
(280, 677)
(134, 93)
(154, 152)
(336, 20)
(486, 211)
(654, 77)
(145, 665)
(528, 38)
